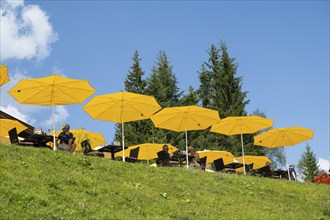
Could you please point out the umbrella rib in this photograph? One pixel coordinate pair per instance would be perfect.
(175, 115)
(64, 84)
(196, 121)
(42, 85)
(301, 135)
(105, 109)
(132, 106)
(203, 116)
(77, 100)
(236, 124)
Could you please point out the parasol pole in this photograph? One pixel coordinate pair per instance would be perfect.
(53, 116)
(122, 140)
(243, 153)
(286, 161)
(187, 150)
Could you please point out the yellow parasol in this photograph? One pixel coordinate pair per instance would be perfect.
(281, 137)
(148, 151)
(258, 161)
(7, 124)
(50, 91)
(215, 154)
(3, 75)
(122, 107)
(241, 125)
(185, 118)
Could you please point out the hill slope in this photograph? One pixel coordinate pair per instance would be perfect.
(40, 183)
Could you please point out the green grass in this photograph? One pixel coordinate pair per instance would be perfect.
(43, 184)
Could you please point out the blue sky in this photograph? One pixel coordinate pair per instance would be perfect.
(282, 48)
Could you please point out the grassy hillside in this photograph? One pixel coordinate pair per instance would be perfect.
(39, 183)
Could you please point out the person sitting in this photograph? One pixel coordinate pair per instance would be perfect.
(195, 161)
(164, 158)
(65, 139)
(292, 172)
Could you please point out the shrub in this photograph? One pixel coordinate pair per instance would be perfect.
(322, 178)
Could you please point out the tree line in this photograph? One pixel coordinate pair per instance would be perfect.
(220, 89)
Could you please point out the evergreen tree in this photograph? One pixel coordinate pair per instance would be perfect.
(229, 99)
(134, 82)
(204, 91)
(191, 98)
(135, 132)
(308, 164)
(163, 85)
(221, 90)
(208, 85)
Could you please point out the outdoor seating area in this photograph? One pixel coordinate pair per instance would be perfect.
(160, 155)
(211, 161)
(117, 108)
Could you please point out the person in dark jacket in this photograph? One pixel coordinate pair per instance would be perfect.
(64, 141)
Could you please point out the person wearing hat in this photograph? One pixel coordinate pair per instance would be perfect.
(65, 139)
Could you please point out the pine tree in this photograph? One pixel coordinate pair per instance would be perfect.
(229, 99)
(134, 82)
(135, 132)
(191, 98)
(205, 88)
(308, 164)
(221, 90)
(163, 85)
(208, 83)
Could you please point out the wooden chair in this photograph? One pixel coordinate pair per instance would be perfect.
(13, 136)
(202, 162)
(133, 155)
(264, 171)
(219, 165)
(87, 149)
(249, 168)
(163, 159)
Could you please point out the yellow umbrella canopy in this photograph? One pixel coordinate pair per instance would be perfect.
(50, 91)
(122, 107)
(215, 154)
(258, 161)
(148, 151)
(80, 134)
(185, 118)
(7, 124)
(241, 125)
(3, 75)
(281, 137)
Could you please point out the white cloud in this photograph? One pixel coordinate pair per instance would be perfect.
(26, 34)
(16, 3)
(61, 114)
(15, 112)
(324, 164)
(25, 31)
